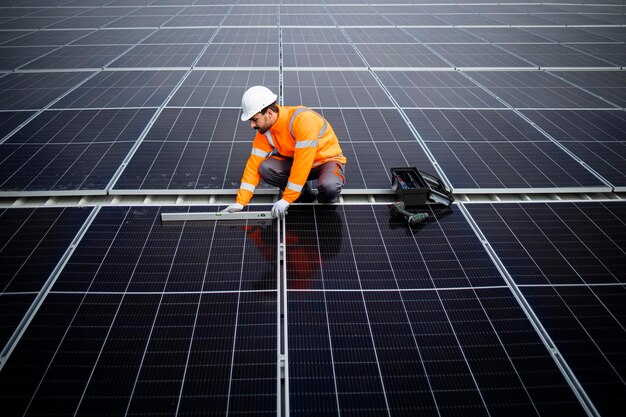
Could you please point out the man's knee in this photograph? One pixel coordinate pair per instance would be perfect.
(328, 191)
(274, 172)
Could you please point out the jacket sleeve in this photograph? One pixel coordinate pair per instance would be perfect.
(261, 150)
(306, 129)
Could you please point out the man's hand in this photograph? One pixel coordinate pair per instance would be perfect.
(280, 209)
(233, 208)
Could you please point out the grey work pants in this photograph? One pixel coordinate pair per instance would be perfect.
(329, 176)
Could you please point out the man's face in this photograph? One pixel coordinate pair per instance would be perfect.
(261, 122)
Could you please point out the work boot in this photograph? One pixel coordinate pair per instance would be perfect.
(306, 195)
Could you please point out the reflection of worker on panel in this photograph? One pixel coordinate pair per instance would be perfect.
(305, 252)
(292, 145)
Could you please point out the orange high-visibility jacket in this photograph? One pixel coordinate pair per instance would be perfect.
(299, 133)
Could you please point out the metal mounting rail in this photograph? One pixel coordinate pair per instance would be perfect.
(247, 215)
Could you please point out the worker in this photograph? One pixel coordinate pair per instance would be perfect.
(292, 145)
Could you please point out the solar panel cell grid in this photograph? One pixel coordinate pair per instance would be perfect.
(11, 120)
(220, 88)
(536, 89)
(400, 56)
(435, 89)
(123, 89)
(77, 57)
(174, 55)
(334, 89)
(264, 55)
(309, 55)
(114, 37)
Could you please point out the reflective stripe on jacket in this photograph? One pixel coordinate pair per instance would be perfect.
(299, 133)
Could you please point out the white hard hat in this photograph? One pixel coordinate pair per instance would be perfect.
(256, 99)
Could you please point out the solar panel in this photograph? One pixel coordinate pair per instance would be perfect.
(43, 38)
(11, 120)
(316, 55)
(610, 85)
(575, 19)
(415, 20)
(596, 137)
(169, 36)
(479, 56)
(535, 89)
(30, 23)
(78, 57)
(466, 19)
(15, 57)
(379, 35)
(373, 141)
(443, 35)
(199, 350)
(555, 56)
(114, 37)
(492, 149)
(139, 22)
(362, 20)
(333, 89)
(588, 328)
(614, 53)
(521, 19)
(565, 245)
(122, 89)
(251, 20)
(33, 242)
(220, 88)
(246, 35)
(567, 34)
(190, 149)
(239, 55)
(63, 151)
(6, 35)
(36, 90)
(435, 89)
(313, 35)
(163, 55)
(504, 35)
(400, 56)
(406, 351)
(615, 33)
(193, 21)
(79, 22)
(299, 20)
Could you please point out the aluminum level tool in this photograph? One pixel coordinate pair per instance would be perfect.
(243, 215)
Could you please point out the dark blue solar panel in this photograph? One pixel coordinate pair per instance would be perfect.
(610, 85)
(220, 88)
(365, 247)
(64, 151)
(33, 242)
(334, 89)
(419, 352)
(208, 155)
(494, 150)
(166, 55)
(114, 37)
(374, 141)
(123, 89)
(212, 353)
(568, 243)
(45, 38)
(75, 57)
(36, 90)
(435, 89)
(554, 55)
(240, 55)
(535, 89)
(15, 57)
(11, 120)
(596, 137)
(587, 325)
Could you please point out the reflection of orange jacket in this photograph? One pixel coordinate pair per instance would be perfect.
(298, 133)
(303, 261)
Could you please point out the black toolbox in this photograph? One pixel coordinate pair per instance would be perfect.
(415, 188)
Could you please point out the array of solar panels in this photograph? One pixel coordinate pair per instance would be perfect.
(144, 317)
(486, 309)
(143, 96)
